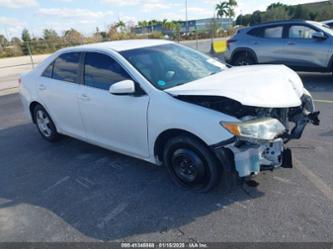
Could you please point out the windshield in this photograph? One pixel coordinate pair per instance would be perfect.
(170, 65)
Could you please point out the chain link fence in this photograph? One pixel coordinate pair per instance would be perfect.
(18, 56)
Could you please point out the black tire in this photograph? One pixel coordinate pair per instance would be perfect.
(244, 59)
(191, 164)
(51, 134)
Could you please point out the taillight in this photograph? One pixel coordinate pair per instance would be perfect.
(229, 42)
(19, 81)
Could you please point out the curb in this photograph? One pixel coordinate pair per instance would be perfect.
(9, 91)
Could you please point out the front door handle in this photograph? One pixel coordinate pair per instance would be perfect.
(291, 43)
(84, 97)
(42, 87)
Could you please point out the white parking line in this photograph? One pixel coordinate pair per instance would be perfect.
(56, 184)
(316, 180)
(114, 213)
(324, 101)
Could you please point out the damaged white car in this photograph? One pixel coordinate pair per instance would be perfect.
(168, 104)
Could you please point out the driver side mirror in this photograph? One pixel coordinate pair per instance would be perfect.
(319, 35)
(123, 87)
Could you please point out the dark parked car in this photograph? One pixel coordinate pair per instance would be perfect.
(301, 45)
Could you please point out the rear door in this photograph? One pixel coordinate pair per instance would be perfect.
(268, 42)
(58, 88)
(303, 50)
(117, 122)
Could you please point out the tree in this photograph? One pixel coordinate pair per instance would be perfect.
(231, 8)
(164, 22)
(25, 35)
(26, 39)
(121, 25)
(256, 17)
(73, 37)
(104, 35)
(174, 27)
(143, 25)
(50, 34)
(276, 5)
(16, 40)
(243, 20)
(3, 41)
(276, 14)
(222, 9)
(226, 9)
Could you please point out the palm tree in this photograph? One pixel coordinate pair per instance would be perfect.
(226, 9)
(152, 24)
(231, 9)
(222, 9)
(142, 25)
(121, 25)
(164, 22)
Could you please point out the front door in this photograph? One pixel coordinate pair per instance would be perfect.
(117, 122)
(303, 50)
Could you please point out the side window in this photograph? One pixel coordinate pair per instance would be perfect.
(48, 71)
(101, 71)
(301, 32)
(273, 32)
(258, 32)
(66, 67)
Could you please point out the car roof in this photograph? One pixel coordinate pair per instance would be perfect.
(280, 22)
(119, 45)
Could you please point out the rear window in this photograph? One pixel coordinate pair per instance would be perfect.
(48, 71)
(273, 32)
(258, 32)
(267, 32)
(66, 67)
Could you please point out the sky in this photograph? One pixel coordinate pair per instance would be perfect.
(86, 15)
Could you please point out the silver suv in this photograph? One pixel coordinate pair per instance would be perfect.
(301, 45)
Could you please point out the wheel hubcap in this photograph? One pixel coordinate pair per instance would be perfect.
(243, 63)
(188, 166)
(43, 123)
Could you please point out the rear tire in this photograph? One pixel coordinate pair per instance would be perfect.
(191, 164)
(244, 59)
(45, 124)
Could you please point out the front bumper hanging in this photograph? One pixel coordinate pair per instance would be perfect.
(249, 159)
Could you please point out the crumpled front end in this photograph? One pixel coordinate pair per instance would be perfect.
(260, 142)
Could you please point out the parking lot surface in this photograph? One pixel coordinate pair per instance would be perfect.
(73, 191)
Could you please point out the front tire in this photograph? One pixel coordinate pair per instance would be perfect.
(191, 164)
(45, 124)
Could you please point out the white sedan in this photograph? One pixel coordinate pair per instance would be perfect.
(168, 104)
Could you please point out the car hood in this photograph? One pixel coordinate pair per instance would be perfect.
(271, 86)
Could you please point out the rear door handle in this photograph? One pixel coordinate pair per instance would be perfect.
(84, 97)
(42, 87)
(291, 43)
